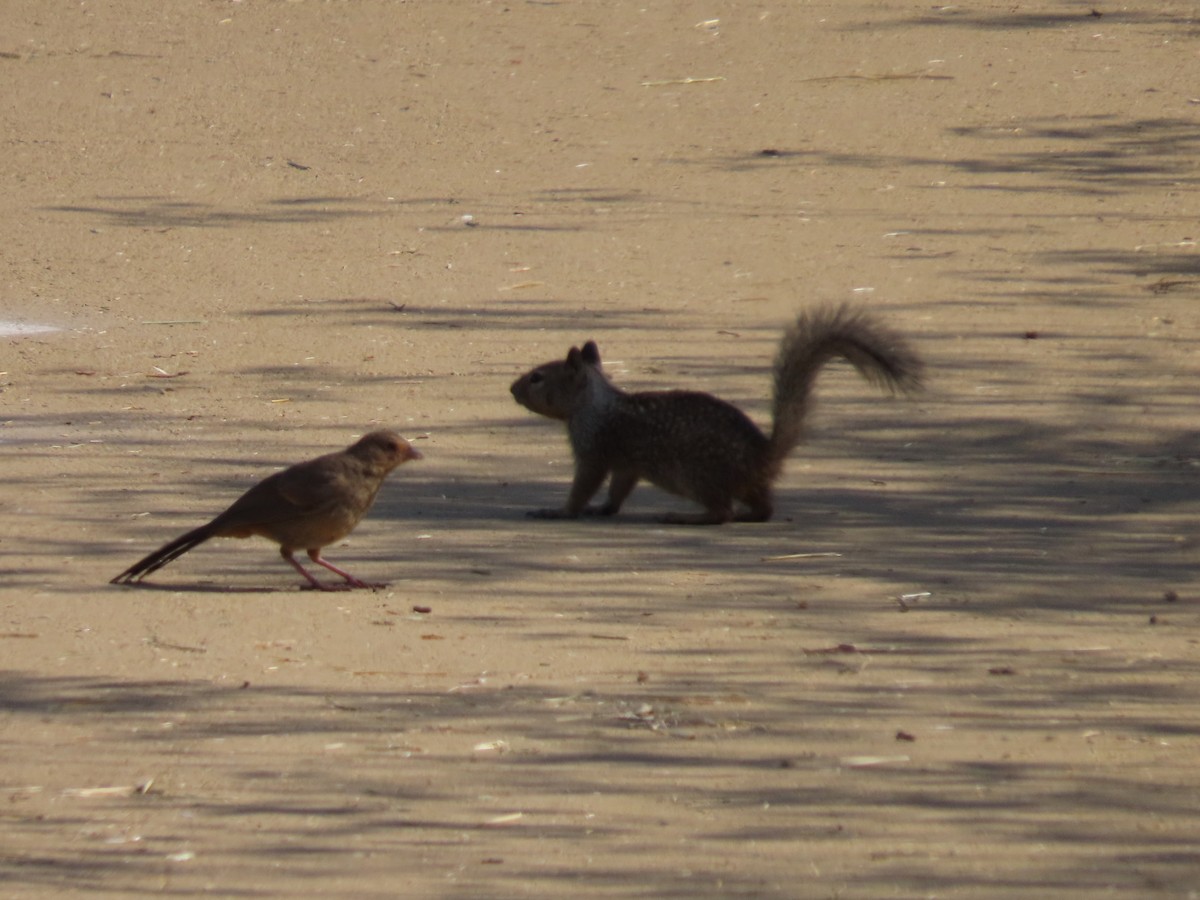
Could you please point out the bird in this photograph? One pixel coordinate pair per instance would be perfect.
(307, 507)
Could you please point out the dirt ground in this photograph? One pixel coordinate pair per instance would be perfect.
(961, 661)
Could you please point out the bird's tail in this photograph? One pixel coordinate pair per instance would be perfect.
(165, 554)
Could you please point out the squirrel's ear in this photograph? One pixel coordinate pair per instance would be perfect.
(591, 354)
(574, 358)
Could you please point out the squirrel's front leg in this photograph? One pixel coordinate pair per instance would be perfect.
(588, 478)
(623, 482)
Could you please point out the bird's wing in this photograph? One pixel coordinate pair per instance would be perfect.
(310, 488)
(294, 493)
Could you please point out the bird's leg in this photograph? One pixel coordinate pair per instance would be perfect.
(287, 554)
(315, 555)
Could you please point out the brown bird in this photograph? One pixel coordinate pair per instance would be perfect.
(305, 507)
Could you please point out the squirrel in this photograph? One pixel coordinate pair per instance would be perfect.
(696, 445)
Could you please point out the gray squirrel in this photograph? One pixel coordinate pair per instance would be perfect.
(694, 444)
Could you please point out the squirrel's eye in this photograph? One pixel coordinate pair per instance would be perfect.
(535, 378)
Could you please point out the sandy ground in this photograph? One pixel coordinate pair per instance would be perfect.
(263, 228)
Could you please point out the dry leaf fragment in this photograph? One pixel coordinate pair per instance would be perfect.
(682, 81)
(124, 790)
(865, 762)
(506, 819)
(784, 556)
(491, 747)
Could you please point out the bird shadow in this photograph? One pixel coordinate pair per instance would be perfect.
(215, 588)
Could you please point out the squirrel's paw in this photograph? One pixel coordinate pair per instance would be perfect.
(597, 511)
(550, 514)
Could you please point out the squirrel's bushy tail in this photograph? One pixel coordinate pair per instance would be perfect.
(881, 356)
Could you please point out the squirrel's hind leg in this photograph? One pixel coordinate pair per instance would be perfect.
(759, 507)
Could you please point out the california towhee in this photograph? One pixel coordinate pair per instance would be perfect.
(305, 507)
